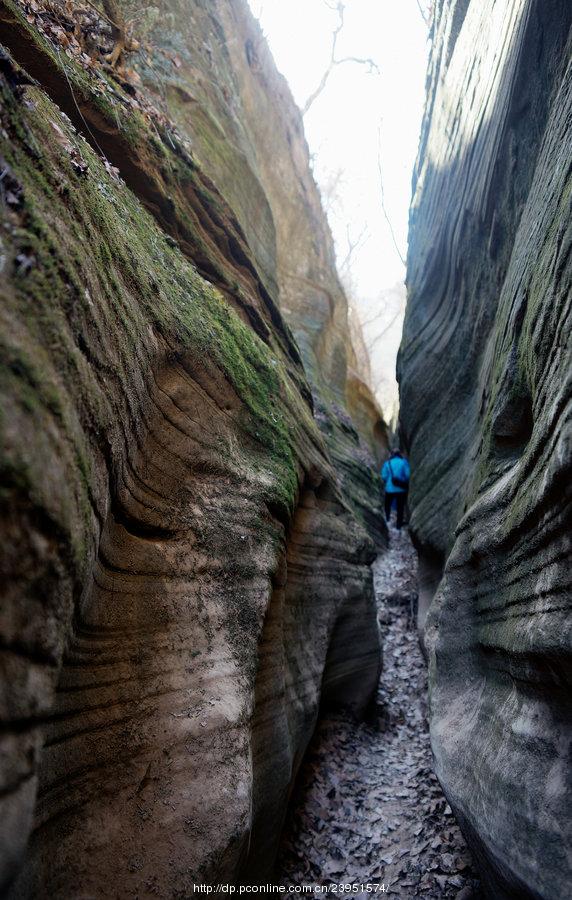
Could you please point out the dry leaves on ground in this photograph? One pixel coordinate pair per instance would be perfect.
(369, 809)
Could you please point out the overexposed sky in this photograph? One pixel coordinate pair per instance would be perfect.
(357, 117)
(342, 126)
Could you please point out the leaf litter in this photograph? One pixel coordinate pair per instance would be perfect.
(368, 808)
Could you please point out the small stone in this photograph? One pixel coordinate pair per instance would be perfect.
(462, 863)
(465, 893)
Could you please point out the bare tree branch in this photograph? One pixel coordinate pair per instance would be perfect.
(353, 245)
(315, 94)
(426, 11)
(382, 310)
(371, 344)
(424, 15)
(366, 61)
(329, 189)
(372, 66)
(383, 207)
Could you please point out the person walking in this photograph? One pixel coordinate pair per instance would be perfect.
(395, 475)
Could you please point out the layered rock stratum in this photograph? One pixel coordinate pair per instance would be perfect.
(189, 511)
(484, 369)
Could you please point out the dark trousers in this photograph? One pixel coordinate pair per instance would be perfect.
(400, 500)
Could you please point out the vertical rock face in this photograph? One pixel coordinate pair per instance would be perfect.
(185, 499)
(227, 97)
(484, 373)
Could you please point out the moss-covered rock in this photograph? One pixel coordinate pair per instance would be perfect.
(180, 561)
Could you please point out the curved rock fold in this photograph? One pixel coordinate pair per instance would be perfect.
(185, 546)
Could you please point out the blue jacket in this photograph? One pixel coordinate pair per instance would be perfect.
(400, 468)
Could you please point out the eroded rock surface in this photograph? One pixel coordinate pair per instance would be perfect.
(485, 389)
(226, 95)
(184, 561)
(369, 813)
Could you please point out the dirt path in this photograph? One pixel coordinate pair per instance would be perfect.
(369, 809)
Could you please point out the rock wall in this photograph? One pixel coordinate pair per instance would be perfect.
(184, 557)
(484, 373)
(228, 99)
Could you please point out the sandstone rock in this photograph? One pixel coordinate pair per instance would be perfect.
(247, 133)
(485, 388)
(184, 568)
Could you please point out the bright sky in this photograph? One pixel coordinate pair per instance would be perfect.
(357, 117)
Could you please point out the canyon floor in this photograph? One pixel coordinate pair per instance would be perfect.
(368, 810)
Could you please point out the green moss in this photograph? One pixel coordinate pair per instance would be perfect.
(514, 370)
(144, 281)
(19, 375)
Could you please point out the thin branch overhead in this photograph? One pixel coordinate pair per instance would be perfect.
(354, 245)
(424, 13)
(427, 10)
(381, 334)
(383, 207)
(372, 66)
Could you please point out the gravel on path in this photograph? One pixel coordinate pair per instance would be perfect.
(368, 812)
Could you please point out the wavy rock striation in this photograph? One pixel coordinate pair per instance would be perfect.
(227, 97)
(484, 372)
(184, 560)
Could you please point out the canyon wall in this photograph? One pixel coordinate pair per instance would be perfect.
(485, 382)
(227, 98)
(188, 509)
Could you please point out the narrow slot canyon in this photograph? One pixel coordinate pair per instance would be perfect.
(285, 448)
(368, 809)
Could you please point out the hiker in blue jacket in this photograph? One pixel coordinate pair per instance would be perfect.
(395, 474)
